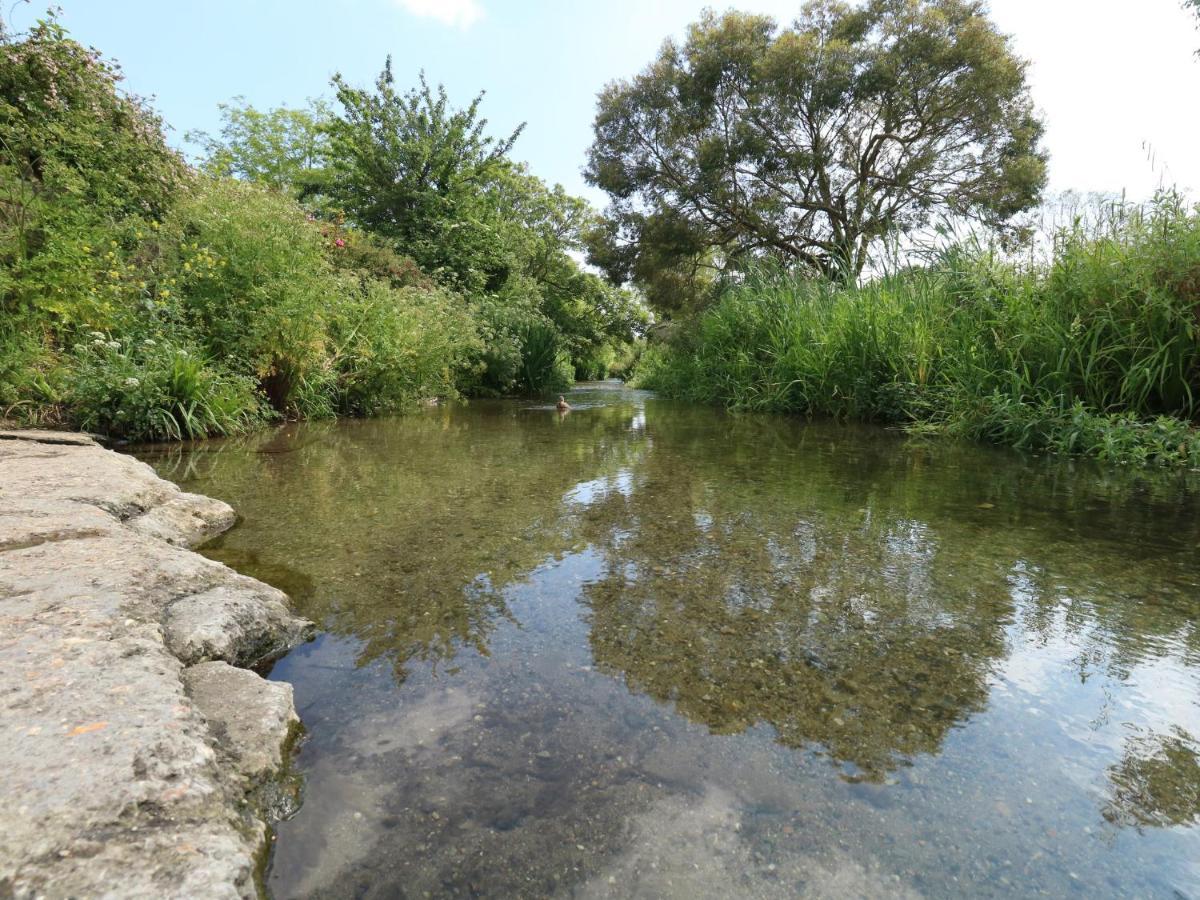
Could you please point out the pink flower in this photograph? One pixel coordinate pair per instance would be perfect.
(339, 243)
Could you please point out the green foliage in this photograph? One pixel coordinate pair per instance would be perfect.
(412, 171)
(545, 366)
(811, 143)
(1095, 352)
(415, 171)
(254, 281)
(156, 391)
(281, 148)
(76, 155)
(396, 347)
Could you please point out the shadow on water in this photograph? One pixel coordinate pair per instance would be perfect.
(646, 649)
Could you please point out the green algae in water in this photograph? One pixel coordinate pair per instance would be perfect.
(646, 649)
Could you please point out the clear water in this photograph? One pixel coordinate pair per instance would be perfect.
(652, 650)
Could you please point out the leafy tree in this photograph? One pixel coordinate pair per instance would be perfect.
(808, 144)
(282, 148)
(412, 169)
(427, 178)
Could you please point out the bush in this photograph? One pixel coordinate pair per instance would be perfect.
(1094, 352)
(156, 391)
(253, 278)
(396, 347)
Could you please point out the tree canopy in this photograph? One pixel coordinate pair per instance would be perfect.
(808, 144)
(282, 148)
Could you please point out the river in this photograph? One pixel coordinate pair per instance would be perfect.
(650, 649)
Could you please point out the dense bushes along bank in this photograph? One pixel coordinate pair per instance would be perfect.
(343, 270)
(1096, 351)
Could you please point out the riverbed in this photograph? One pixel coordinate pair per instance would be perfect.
(650, 649)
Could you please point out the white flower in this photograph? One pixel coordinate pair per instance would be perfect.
(114, 345)
(99, 335)
(131, 382)
(98, 342)
(148, 343)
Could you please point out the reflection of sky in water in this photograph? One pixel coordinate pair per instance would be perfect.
(647, 650)
(597, 489)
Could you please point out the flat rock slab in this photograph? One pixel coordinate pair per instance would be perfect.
(129, 740)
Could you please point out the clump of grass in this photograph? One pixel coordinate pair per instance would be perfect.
(150, 390)
(1095, 351)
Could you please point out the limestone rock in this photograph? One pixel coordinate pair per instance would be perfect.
(120, 778)
(252, 718)
(239, 620)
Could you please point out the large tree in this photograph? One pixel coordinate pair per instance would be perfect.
(810, 143)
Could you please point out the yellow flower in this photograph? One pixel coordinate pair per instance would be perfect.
(187, 267)
(165, 293)
(141, 285)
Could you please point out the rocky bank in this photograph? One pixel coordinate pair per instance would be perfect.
(134, 742)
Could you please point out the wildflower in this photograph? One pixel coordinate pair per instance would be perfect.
(339, 243)
(114, 345)
(98, 342)
(97, 334)
(165, 293)
(131, 382)
(187, 267)
(141, 285)
(148, 343)
(87, 249)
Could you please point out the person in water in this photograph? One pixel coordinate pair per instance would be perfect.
(562, 405)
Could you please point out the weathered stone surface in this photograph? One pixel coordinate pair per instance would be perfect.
(187, 520)
(241, 621)
(252, 718)
(116, 780)
(45, 436)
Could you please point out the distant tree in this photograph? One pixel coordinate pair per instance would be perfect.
(808, 144)
(282, 148)
(412, 169)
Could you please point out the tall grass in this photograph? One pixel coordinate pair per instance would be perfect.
(1094, 350)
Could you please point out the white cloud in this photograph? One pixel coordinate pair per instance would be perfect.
(455, 13)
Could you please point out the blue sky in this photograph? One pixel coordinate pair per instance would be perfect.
(1116, 79)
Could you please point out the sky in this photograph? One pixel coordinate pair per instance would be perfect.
(1116, 80)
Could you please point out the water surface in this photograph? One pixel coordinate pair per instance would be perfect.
(645, 649)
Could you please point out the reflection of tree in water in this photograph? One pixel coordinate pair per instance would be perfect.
(741, 604)
(410, 530)
(848, 588)
(1156, 782)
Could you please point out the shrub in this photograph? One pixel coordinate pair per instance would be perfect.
(254, 280)
(150, 390)
(396, 347)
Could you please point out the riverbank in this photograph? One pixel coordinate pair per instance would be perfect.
(134, 741)
(1091, 351)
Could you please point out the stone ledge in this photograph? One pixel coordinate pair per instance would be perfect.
(124, 773)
